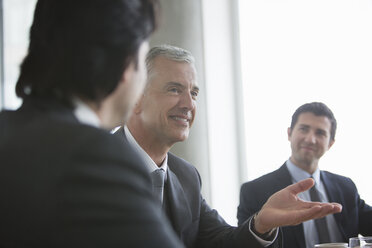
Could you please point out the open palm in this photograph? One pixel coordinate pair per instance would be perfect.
(285, 208)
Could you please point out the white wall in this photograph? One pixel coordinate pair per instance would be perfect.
(18, 16)
(225, 113)
(295, 52)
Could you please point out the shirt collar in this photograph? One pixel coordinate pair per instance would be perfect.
(85, 114)
(299, 174)
(150, 164)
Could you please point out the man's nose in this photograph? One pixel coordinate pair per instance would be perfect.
(310, 137)
(186, 101)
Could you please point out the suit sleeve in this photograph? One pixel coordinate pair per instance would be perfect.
(364, 214)
(215, 232)
(249, 204)
(365, 218)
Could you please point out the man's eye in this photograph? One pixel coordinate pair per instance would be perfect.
(322, 134)
(174, 90)
(194, 94)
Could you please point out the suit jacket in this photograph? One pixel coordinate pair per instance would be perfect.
(193, 220)
(65, 184)
(355, 218)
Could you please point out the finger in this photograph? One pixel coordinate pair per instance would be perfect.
(301, 186)
(331, 208)
(315, 212)
(335, 206)
(326, 209)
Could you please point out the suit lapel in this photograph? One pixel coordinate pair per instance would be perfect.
(179, 209)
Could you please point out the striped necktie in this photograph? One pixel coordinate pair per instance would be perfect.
(158, 183)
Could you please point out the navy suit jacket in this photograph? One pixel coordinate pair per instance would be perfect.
(65, 184)
(355, 218)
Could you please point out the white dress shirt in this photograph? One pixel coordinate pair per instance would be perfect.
(85, 114)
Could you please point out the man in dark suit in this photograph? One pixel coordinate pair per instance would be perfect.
(311, 134)
(162, 117)
(65, 180)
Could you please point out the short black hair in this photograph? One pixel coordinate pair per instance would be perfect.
(318, 109)
(82, 47)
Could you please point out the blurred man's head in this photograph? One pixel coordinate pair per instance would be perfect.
(311, 134)
(167, 108)
(82, 48)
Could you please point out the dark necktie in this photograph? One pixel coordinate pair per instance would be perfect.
(320, 224)
(158, 184)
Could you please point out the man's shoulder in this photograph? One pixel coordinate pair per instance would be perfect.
(60, 137)
(182, 168)
(177, 162)
(337, 179)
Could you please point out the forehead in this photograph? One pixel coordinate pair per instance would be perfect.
(165, 70)
(314, 121)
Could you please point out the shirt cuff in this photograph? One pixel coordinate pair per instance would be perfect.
(263, 242)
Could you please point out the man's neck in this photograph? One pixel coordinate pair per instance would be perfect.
(152, 146)
(308, 167)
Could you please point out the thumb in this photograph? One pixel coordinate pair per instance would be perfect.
(301, 186)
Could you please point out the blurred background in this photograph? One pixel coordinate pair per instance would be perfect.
(257, 61)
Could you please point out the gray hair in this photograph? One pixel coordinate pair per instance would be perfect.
(170, 52)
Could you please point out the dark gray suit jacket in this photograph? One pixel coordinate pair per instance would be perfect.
(195, 223)
(64, 184)
(355, 218)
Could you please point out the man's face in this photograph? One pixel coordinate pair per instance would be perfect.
(310, 139)
(167, 109)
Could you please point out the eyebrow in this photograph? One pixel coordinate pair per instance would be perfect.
(317, 129)
(303, 125)
(196, 88)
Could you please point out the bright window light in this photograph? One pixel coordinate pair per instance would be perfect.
(294, 52)
(18, 16)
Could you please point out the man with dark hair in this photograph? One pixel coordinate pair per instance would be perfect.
(164, 116)
(65, 180)
(311, 134)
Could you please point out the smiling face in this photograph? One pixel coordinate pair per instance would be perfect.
(167, 108)
(310, 139)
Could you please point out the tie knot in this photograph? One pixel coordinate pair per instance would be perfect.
(314, 180)
(158, 177)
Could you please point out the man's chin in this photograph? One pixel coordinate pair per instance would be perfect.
(181, 137)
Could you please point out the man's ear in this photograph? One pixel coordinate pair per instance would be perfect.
(331, 144)
(289, 132)
(138, 106)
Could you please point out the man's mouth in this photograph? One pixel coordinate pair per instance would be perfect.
(177, 118)
(308, 148)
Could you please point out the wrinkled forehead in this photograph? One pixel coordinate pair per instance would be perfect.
(165, 70)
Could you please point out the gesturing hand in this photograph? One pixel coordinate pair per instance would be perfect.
(284, 208)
